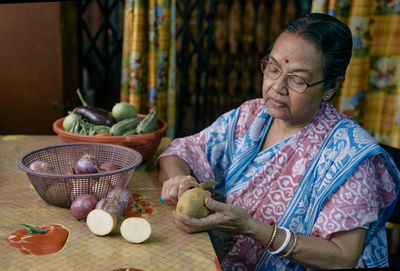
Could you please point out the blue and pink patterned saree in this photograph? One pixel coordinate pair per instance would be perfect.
(330, 176)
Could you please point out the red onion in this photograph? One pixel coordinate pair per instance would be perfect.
(112, 206)
(123, 196)
(82, 205)
(109, 166)
(70, 171)
(100, 203)
(41, 167)
(87, 165)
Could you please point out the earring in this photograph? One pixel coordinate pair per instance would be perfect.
(326, 97)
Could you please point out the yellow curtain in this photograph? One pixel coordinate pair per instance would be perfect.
(149, 58)
(371, 91)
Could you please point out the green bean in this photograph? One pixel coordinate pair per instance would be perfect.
(83, 127)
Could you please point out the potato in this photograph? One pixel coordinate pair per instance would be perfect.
(101, 222)
(135, 229)
(191, 203)
(109, 211)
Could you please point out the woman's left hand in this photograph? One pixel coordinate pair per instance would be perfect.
(228, 217)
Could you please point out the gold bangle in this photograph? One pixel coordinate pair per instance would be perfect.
(291, 249)
(273, 235)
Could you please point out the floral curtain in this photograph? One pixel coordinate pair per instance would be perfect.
(371, 91)
(149, 57)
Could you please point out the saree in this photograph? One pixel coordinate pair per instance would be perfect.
(292, 187)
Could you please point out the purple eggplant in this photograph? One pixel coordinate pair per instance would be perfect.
(95, 115)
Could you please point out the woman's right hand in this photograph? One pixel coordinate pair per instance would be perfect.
(225, 216)
(173, 188)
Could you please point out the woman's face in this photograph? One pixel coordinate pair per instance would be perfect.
(296, 55)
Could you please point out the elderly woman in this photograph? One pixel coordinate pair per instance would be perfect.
(304, 185)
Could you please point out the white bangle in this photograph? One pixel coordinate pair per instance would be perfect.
(293, 247)
(285, 243)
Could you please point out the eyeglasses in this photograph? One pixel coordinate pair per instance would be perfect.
(293, 81)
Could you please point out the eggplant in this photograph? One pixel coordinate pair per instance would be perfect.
(95, 115)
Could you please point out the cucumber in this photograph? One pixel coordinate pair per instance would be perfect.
(123, 126)
(131, 132)
(123, 110)
(149, 123)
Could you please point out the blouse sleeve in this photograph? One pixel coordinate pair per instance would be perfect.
(201, 151)
(192, 150)
(358, 201)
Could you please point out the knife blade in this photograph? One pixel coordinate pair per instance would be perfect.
(207, 184)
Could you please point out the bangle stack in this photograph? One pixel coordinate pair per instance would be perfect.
(285, 243)
(290, 235)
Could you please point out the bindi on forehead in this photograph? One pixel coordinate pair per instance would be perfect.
(286, 60)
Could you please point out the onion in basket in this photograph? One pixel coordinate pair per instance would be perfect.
(87, 165)
(109, 166)
(41, 166)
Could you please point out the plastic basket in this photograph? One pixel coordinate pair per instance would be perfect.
(60, 188)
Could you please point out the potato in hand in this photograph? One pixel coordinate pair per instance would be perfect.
(191, 202)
